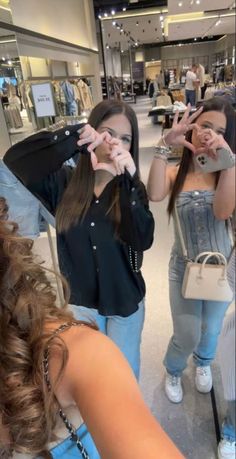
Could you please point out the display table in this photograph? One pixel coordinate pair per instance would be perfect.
(129, 97)
(168, 113)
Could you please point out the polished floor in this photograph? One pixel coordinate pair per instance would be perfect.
(190, 424)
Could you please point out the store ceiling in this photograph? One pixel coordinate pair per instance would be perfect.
(182, 20)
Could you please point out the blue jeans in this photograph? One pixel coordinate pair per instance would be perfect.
(228, 427)
(125, 332)
(197, 324)
(190, 97)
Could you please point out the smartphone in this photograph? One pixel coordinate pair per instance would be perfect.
(225, 160)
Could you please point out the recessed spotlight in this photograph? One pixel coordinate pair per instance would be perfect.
(122, 30)
(124, 9)
(9, 62)
(99, 16)
(136, 43)
(3, 58)
(161, 17)
(122, 51)
(107, 46)
(137, 23)
(198, 2)
(113, 12)
(163, 34)
(195, 39)
(180, 3)
(105, 15)
(113, 23)
(162, 25)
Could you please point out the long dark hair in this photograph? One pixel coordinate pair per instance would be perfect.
(217, 104)
(79, 193)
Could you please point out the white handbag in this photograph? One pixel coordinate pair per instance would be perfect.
(202, 280)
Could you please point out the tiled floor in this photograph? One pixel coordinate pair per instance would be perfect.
(190, 424)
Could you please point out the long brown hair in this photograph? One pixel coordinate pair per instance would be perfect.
(218, 104)
(78, 195)
(28, 412)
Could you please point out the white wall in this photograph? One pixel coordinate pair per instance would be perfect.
(69, 20)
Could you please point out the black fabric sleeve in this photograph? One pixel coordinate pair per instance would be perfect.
(137, 222)
(42, 154)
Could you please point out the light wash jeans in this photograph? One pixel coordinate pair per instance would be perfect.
(228, 427)
(125, 332)
(197, 324)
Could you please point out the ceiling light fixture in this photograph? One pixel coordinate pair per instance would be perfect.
(3, 58)
(124, 9)
(105, 15)
(107, 46)
(195, 39)
(198, 2)
(113, 12)
(180, 3)
(99, 16)
(113, 23)
(161, 17)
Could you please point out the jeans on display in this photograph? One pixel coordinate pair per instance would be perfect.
(125, 332)
(197, 324)
(190, 97)
(229, 427)
(72, 108)
(24, 208)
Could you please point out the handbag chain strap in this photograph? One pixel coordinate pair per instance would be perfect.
(69, 426)
(184, 249)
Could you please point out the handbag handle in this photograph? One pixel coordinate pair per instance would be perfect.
(220, 258)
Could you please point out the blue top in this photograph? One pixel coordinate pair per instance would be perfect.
(202, 231)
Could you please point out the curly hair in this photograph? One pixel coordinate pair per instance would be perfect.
(28, 411)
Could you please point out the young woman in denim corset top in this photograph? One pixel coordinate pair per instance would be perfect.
(103, 222)
(204, 202)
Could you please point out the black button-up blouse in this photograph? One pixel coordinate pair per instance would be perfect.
(98, 264)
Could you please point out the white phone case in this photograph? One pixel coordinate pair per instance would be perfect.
(225, 160)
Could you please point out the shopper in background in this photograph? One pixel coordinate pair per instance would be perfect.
(102, 215)
(201, 78)
(191, 85)
(204, 202)
(226, 447)
(84, 372)
(161, 81)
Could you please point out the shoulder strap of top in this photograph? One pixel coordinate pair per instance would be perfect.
(74, 436)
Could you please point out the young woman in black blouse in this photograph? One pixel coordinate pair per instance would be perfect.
(103, 220)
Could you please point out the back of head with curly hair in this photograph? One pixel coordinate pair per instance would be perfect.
(28, 412)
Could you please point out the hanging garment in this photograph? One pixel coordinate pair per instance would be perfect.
(85, 95)
(24, 208)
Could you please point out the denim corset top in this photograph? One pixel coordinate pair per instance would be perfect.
(202, 231)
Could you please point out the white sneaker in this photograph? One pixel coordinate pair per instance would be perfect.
(226, 449)
(203, 379)
(173, 388)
